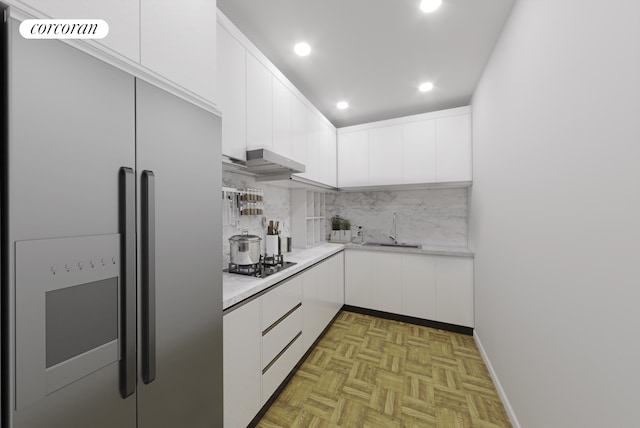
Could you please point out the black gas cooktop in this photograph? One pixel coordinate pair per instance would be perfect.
(265, 267)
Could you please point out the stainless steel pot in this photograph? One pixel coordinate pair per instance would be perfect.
(245, 248)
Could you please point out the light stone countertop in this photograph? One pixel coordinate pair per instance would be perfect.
(236, 288)
(425, 249)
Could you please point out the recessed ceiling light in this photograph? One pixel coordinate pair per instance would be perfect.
(428, 6)
(342, 105)
(425, 87)
(302, 49)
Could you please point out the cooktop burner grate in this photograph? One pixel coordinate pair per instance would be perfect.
(268, 265)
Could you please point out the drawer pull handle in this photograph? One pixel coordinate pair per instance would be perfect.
(281, 352)
(282, 318)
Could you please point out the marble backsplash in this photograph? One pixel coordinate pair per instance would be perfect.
(277, 206)
(433, 217)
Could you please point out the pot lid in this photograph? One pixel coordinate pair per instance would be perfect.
(245, 237)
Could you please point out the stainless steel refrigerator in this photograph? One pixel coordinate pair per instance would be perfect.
(111, 261)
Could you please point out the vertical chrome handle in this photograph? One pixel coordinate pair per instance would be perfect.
(127, 225)
(148, 277)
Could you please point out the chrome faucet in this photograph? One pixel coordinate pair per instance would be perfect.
(394, 230)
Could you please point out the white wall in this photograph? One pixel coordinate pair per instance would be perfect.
(555, 212)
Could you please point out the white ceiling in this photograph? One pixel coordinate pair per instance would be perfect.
(375, 53)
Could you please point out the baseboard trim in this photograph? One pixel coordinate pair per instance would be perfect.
(265, 408)
(411, 320)
(496, 382)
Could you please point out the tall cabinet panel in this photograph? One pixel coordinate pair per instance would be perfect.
(232, 94)
(385, 155)
(123, 17)
(72, 128)
(185, 53)
(298, 130)
(453, 148)
(419, 152)
(281, 118)
(353, 159)
(259, 105)
(332, 179)
(242, 364)
(187, 390)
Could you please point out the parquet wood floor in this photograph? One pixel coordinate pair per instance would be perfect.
(369, 372)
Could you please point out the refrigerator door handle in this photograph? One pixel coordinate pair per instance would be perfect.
(127, 225)
(148, 277)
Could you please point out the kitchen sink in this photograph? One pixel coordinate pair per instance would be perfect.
(400, 245)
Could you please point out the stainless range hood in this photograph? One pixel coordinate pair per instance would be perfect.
(263, 162)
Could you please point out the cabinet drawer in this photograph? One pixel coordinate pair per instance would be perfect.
(274, 375)
(276, 339)
(277, 302)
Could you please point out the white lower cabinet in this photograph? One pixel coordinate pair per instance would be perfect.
(454, 290)
(437, 288)
(386, 293)
(322, 296)
(310, 306)
(357, 278)
(242, 364)
(273, 377)
(419, 286)
(267, 337)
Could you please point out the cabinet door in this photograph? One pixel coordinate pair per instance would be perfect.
(419, 152)
(232, 94)
(281, 118)
(242, 371)
(357, 267)
(324, 294)
(123, 17)
(332, 158)
(185, 54)
(310, 307)
(336, 281)
(386, 282)
(454, 290)
(298, 131)
(353, 159)
(323, 175)
(385, 156)
(419, 286)
(453, 148)
(259, 105)
(314, 146)
(339, 278)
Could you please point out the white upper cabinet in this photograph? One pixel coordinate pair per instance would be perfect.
(281, 118)
(123, 17)
(332, 158)
(453, 148)
(178, 41)
(298, 131)
(259, 105)
(232, 94)
(170, 43)
(323, 173)
(314, 146)
(275, 115)
(353, 159)
(385, 155)
(427, 148)
(419, 152)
